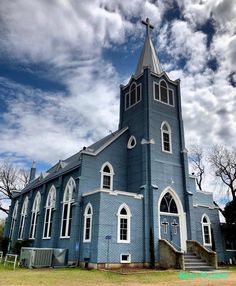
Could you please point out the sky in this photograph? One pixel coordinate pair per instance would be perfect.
(62, 61)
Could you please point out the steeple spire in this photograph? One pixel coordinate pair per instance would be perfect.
(148, 57)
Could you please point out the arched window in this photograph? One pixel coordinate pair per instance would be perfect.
(206, 230)
(35, 212)
(68, 200)
(166, 137)
(88, 216)
(123, 229)
(22, 218)
(50, 206)
(133, 96)
(163, 93)
(107, 174)
(13, 220)
(168, 204)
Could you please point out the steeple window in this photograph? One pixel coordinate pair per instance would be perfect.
(166, 137)
(133, 96)
(163, 93)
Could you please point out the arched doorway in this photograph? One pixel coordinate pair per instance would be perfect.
(172, 221)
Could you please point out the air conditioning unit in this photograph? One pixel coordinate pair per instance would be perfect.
(33, 257)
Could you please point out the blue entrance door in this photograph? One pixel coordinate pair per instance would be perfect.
(170, 229)
(169, 221)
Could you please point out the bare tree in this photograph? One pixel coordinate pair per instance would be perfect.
(223, 161)
(196, 161)
(12, 179)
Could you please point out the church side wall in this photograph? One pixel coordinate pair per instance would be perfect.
(88, 251)
(213, 215)
(55, 241)
(115, 154)
(108, 225)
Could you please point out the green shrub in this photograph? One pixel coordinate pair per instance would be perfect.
(16, 247)
(4, 242)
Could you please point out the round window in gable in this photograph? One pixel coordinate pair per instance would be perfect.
(132, 142)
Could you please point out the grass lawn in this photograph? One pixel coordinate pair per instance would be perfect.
(76, 276)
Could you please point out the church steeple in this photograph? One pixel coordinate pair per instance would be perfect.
(148, 57)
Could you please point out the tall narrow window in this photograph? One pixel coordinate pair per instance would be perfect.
(123, 230)
(23, 217)
(166, 137)
(68, 200)
(35, 212)
(206, 230)
(88, 215)
(133, 96)
(163, 93)
(107, 174)
(50, 206)
(13, 220)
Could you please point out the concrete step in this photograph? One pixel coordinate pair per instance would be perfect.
(193, 260)
(194, 263)
(199, 268)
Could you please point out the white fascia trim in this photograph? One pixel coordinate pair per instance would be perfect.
(133, 77)
(114, 193)
(205, 206)
(175, 82)
(204, 192)
(95, 153)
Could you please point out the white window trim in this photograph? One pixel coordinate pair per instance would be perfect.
(162, 137)
(86, 215)
(111, 175)
(125, 261)
(70, 203)
(128, 217)
(129, 146)
(51, 209)
(128, 94)
(208, 224)
(35, 212)
(13, 220)
(159, 87)
(23, 215)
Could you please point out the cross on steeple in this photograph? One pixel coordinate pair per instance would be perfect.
(148, 26)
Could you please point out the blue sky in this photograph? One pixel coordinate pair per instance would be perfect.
(61, 64)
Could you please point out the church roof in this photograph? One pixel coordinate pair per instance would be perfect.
(148, 57)
(73, 162)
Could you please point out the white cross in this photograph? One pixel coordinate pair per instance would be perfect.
(165, 225)
(175, 225)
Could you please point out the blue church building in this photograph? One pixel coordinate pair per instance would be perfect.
(127, 198)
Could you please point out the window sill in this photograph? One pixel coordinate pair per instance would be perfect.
(125, 242)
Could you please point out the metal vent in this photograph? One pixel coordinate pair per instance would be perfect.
(33, 257)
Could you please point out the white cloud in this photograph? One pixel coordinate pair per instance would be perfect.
(46, 126)
(69, 38)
